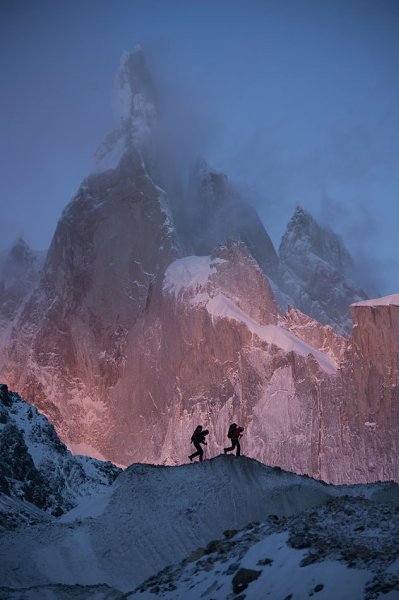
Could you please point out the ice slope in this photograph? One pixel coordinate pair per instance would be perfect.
(155, 516)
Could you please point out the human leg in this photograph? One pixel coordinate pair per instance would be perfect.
(233, 445)
(238, 452)
(199, 452)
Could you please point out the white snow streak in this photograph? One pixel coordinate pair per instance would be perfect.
(192, 274)
(223, 307)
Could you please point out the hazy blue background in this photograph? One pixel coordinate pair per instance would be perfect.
(297, 101)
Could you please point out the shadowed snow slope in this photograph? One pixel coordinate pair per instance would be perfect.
(37, 472)
(154, 516)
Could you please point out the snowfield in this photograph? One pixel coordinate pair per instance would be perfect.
(302, 534)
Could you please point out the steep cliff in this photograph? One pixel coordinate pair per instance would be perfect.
(375, 355)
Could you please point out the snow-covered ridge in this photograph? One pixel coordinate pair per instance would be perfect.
(392, 300)
(192, 274)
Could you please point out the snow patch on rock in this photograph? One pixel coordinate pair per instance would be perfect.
(190, 273)
(392, 299)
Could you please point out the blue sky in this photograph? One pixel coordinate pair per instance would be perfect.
(297, 101)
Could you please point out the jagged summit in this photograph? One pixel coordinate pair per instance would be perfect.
(304, 232)
(316, 270)
(214, 212)
(134, 105)
(134, 93)
(20, 270)
(139, 328)
(20, 251)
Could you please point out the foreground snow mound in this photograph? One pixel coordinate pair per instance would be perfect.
(36, 469)
(155, 516)
(345, 549)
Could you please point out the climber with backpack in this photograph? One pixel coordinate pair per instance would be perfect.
(234, 434)
(197, 439)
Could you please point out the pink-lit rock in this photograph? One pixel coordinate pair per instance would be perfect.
(127, 344)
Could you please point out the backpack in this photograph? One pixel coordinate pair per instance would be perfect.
(231, 429)
(197, 435)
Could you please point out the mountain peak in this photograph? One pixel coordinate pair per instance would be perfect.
(20, 251)
(303, 219)
(134, 97)
(318, 270)
(135, 109)
(304, 231)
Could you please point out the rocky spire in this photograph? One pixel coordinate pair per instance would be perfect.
(135, 110)
(316, 271)
(134, 98)
(303, 231)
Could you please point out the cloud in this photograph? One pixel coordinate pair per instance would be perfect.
(360, 230)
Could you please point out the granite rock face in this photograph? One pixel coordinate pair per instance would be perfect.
(128, 341)
(206, 351)
(375, 353)
(113, 241)
(111, 244)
